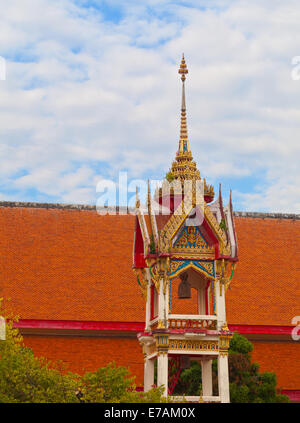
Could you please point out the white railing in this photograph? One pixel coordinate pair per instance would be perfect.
(152, 322)
(195, 398)
(192, 321)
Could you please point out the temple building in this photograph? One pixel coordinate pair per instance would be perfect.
(183, 236)
(169, 282)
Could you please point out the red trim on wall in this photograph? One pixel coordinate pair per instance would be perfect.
(294, 395)
(136, 326)
(79, 325)
(262, 329)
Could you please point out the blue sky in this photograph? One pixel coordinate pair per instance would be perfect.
(92, 89)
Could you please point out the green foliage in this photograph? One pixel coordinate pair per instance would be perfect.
(240, 344)
(247, 384)
(115, 385)
(28, 379)
(189, 382)
(25, 378)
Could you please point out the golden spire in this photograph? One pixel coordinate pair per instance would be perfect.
(184, 168)
(183, 141)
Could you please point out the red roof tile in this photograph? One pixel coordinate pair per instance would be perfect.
(60, 264)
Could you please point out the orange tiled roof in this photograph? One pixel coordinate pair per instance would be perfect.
(66, 264)
(265, 289)
(72, 264)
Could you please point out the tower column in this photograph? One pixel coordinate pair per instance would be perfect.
(162, 342)
(223, 373)
(161, 305)
(162, 372)
(206, 377)
(223, 377)
(148, 374)
(220, 303)
(148, 302)
(163, 297)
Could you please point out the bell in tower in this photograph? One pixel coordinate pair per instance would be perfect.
(184, 288)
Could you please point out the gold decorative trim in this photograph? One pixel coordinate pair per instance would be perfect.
(162, 343)
(155, 277)
(160, 272)
(192, 266)
(224, 341)
(184, 345)
(142, 277)
(161, 325)
(193, 256)
(225, 247)
(191, 236)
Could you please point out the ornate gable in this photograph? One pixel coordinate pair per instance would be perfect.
(190, 242)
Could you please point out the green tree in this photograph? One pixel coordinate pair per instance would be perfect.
(29, 379)
(114, 384)
(247, 384)
(25, 378)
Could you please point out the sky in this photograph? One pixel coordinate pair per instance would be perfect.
(92, 89)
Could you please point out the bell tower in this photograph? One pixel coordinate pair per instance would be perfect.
(183, 237)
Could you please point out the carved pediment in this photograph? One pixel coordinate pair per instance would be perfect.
(190, 240)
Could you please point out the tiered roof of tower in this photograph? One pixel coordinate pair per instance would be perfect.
(184, 167)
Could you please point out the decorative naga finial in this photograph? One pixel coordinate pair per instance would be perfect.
(137, 198)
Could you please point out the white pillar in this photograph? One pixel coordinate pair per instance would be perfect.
(220, 303)
(223, 377)
(161, 302)
(201, 300)
(148, 374)
(162, 371)
(206, 377)
(166, 295)
(148, 303)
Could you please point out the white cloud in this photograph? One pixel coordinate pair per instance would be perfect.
(83, 90)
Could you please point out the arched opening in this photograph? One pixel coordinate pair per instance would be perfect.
(199, 301)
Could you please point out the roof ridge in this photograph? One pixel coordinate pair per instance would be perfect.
(270, 215)
(64, 206)
(91, 207)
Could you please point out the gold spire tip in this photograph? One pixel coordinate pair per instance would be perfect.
(183, 68)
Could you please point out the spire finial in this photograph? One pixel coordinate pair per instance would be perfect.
(183, 142)
(184, 168)
(183, 69)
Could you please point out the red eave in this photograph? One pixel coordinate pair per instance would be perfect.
(137, 326)
(294, 395)
(261, 329)
(79, 325)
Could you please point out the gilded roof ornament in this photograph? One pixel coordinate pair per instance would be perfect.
(184, 167)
